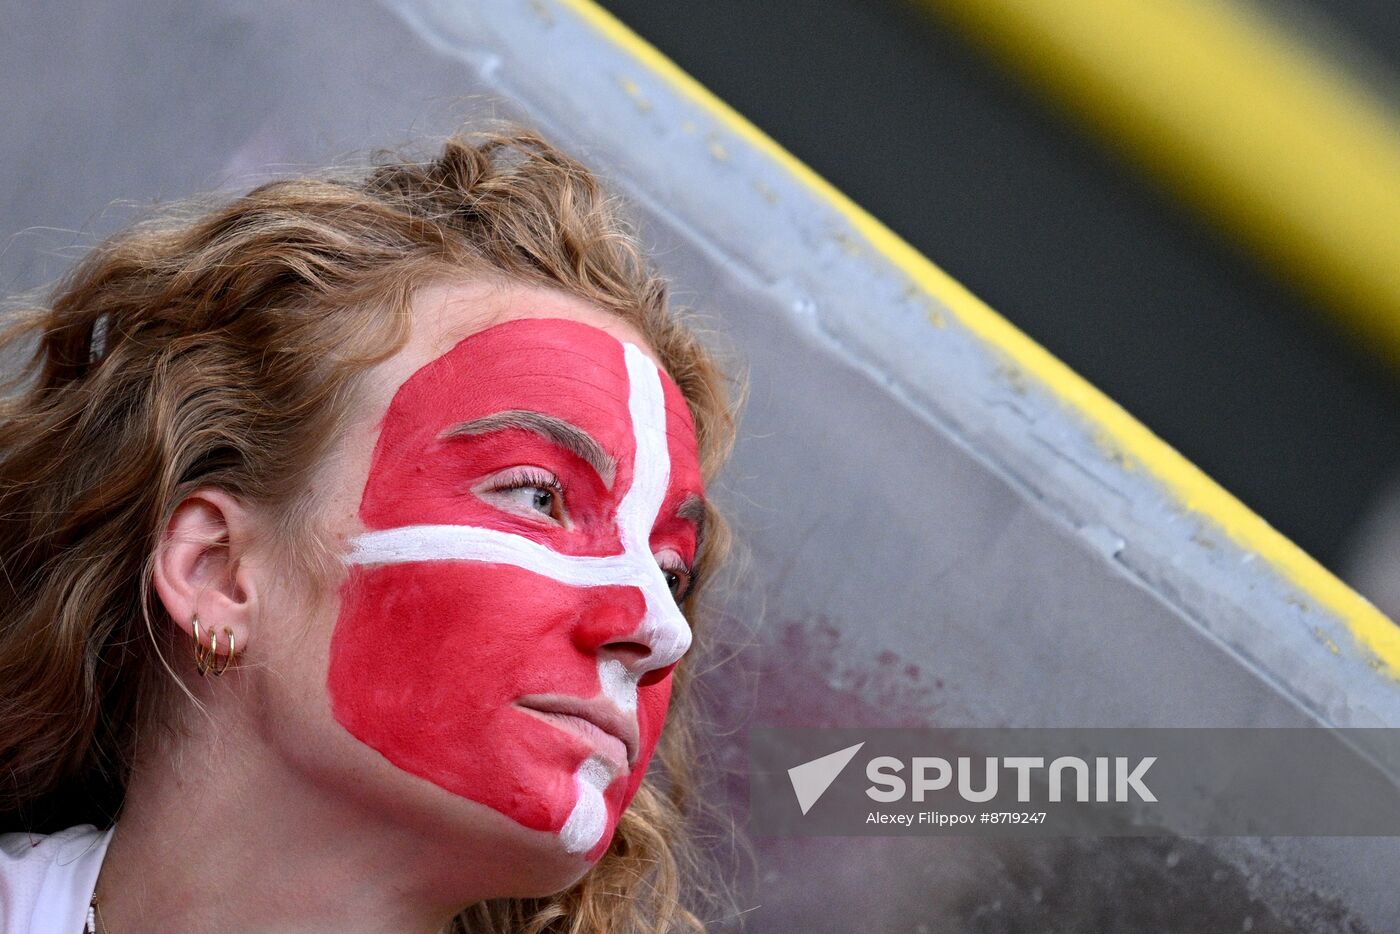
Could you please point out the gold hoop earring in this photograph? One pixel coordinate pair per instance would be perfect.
(216, 669)
(206, 658)
(203, 656)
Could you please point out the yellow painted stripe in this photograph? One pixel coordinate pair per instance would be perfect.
(1115, 427)
(1242, 118)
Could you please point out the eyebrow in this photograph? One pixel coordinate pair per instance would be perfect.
(567, 435)
(694, 508)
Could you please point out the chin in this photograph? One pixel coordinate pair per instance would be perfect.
(541, 867)
(521, 862)
(552, 878)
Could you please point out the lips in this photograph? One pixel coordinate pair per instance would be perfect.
(598, 715)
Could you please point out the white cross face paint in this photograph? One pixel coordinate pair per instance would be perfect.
(477, 626)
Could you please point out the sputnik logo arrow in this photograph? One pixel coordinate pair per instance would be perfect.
(810, 780)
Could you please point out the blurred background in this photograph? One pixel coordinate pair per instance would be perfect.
(1074, 164)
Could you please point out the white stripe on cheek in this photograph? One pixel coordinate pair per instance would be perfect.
(473, 543)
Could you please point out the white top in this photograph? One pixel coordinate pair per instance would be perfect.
(46, 882)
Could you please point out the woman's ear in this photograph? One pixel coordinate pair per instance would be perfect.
(202, 566)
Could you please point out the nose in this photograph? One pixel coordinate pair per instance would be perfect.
(611, 618)
(617, 623)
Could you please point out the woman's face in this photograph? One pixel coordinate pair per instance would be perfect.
(520, 500)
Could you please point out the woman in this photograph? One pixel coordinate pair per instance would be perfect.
(347, 530)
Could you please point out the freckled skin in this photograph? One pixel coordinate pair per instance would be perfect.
(427, 657)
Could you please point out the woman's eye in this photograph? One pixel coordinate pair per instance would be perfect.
(541, 499)
(526, 490)
(678, 581)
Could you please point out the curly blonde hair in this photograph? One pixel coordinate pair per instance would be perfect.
(221, 345)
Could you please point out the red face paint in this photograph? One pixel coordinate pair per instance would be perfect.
(463, 598)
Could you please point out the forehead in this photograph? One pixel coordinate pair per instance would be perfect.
(557, 366)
